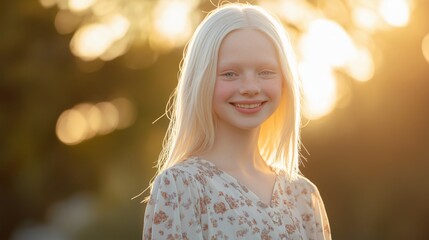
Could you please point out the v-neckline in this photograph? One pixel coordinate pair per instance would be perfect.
(245, 188)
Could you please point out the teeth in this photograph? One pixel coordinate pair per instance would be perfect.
(248, 106)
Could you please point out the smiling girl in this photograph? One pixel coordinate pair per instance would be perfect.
(230, 164)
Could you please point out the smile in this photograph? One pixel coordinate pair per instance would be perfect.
(247, 106)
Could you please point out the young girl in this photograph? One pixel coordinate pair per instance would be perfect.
(229, 168)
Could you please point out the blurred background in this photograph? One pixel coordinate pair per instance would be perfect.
(82, 81)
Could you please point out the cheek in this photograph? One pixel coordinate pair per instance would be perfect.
(222, 92)
(275, 90)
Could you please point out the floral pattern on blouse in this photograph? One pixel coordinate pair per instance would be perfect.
(196, 200)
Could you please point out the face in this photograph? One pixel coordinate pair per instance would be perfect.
(249, 80)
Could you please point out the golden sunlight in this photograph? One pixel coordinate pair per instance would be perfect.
(425, 47)
(80, 5)
(118, 25)
(319, 89)
(172, 23)
(326, 42)
(109, 117)
(71, 127)
(91, 41)
(365, 18)
(295, 12)
(395, 12)
(47, 3)
(86, 120)
(361, 66)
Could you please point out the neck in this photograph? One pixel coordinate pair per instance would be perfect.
(236, 149)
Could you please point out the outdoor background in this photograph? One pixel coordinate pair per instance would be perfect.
(82, 81)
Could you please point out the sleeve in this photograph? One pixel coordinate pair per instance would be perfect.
(171, 212)
(320, 220)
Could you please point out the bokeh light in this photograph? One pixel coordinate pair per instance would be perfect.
(71, 127)
(80, 5)
(425, 47)
(86, 120)
(361, 66)
(91, 41)
(326, 42)
(319, 89)
(395, 12)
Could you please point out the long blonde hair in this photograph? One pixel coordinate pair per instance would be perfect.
(192, 126)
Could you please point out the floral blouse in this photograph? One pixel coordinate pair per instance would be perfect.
(196, 200)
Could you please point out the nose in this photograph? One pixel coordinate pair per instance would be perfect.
(249, 85)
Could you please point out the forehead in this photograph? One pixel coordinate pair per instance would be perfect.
(247, 44)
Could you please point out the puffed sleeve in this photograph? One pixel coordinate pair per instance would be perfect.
(171, 212)
(321, 223)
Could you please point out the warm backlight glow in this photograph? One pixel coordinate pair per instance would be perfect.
(319, 90)
(80, 5)
(326, 42)
(172, 25)
(365, 18)
(118, 25)
(425, 47)
(361, 65)
(395, 12)
(91, 41)
(47, 3)
(110, 116)
(71, 127)
(87, 120)
(172, 19)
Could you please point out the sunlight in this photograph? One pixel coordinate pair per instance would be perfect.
(80, 5)
(319, 90)
(86, 120)
(91, 41)
(293, 11)
(172, 22)
(84, 109)
(361, 66)
(365, 18)
(94, 118)
(118, 25)
(47, 3)
(395, 12)
(425, 47)
(71, 127)
(109, 117)
(326, 42)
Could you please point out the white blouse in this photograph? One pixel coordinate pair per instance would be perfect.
(196, 200)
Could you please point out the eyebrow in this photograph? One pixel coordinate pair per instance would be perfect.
(234, 63)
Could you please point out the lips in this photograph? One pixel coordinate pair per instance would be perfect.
(247, 106)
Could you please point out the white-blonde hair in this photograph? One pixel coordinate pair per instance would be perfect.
(192, 125)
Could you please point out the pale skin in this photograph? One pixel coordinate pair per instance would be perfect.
(247, 92)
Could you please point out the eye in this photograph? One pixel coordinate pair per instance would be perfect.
(229, 74)
(267, 73)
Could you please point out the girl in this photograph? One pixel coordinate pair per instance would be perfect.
(229, 167)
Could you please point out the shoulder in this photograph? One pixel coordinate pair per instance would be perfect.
(304, 184)
(186, 172)
(301, 188)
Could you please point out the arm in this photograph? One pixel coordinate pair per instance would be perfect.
(171, 212)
